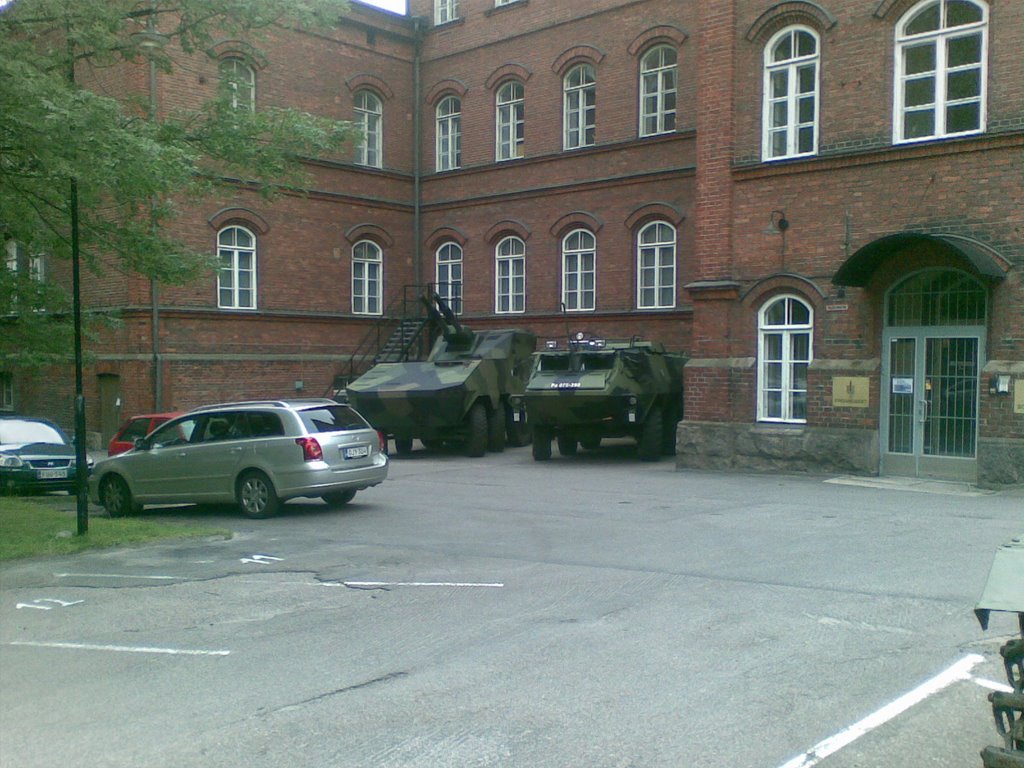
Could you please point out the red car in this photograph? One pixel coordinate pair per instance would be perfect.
(137, 426)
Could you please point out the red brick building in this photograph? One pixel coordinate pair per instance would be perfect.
(822, 203)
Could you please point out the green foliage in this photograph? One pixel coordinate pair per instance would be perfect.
(131, 168)
(30, 528)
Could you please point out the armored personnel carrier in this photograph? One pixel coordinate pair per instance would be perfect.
(460, 393)
(594, 388)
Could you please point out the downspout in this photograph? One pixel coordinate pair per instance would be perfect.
(417, 171)
(154, 285)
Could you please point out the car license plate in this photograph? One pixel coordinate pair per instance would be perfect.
(357, 451)
(52, 474)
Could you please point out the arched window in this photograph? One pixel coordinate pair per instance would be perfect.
(449, 133)
(791, 94)
(785, 335)
(369, 119)
(240, 80)
(236, 277)
(658, 91)
(941, 50)
(367, 278)
(448, 275)
(510, 120)
(656, 266)
(510, 276)
(579, 256)
(579, 107)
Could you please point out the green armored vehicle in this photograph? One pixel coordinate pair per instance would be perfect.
(595, 388)
(460, 393)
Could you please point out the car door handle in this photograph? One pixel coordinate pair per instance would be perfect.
(237, 450)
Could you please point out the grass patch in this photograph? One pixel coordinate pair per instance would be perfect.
(34, 529)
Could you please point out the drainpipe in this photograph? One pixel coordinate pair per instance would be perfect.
(417, 171)
(154, 285)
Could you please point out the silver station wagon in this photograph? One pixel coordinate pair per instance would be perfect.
(256, 454)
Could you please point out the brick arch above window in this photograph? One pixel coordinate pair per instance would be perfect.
(368, 231)
(780, 284)
(576, 220)
(510, 71)
(651, 211)
(442, 88)
(240, 49)
(786, 14)
(577, 54)
(244, 217)
(895, 7)
(443, 235)
(663, 34)
(374, 83)
(507, 227)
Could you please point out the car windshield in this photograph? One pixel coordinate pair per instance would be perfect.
(332, 418)
(14, 431)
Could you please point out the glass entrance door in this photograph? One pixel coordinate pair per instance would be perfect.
(930, 400)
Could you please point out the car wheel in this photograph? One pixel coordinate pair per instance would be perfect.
(256, 496)
(476, 440)
(650, 443)
(339, 498)
(496, 429)
(117, 498)
(541, 444)
(567, 445)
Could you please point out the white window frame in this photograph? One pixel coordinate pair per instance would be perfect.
(448, 129)
(240, 80)
(792, 100)
(369, 112)
(579, 107)
(510, 276)
(448, 274)
(656, 265)
(445, 11)
(786, 381)
(509, 121)
(367, 278)
(939, 39)
(231, 294)
(658, 90)
(499, 3)
(579, 262)
(11, 255)
(6, 391)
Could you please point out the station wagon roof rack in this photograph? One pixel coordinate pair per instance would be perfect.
(290, 403)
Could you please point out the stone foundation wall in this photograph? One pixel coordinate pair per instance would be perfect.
(1000, 462)
(767, 448)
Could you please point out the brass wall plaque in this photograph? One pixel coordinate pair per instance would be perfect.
(851, 391)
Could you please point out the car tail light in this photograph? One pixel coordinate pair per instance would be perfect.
(382, 442)
(311, 450)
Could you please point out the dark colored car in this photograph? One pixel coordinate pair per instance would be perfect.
(136, 427)
(35, 455)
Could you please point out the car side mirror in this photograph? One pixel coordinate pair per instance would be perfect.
(140, 444)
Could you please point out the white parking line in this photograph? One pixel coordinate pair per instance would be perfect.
(489, 585)
(957, 672)
(116, 576)
(120, 648)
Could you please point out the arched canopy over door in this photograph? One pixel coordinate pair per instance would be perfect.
(972, 256)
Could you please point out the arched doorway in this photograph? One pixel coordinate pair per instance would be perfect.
(933, 349)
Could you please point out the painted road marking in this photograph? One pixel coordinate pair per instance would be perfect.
(120, 648)
(961, 670)
(36, 603)
(365, 584)
(116, 576)
(261, 559)
(992, 685)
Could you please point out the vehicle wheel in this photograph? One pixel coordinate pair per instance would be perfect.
(649, 446)
(541, 444)
(496, 429)
(591, 443)
(476, 424)
(338, 498)
(117, 498)
(403, 446)
(517, 432)
(256, 496)
(668, 438)
(567, 445)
